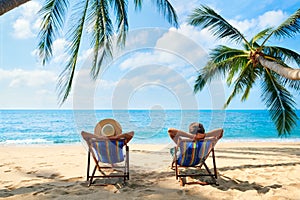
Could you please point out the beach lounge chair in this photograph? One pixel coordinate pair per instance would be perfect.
(106, 147)
(191, 154)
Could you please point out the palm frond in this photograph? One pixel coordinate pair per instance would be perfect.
(223, 53)
(95, 21)
(53, 14)
(236, 63)
(282, 54)
(208, 18)
(255, 73)
(232, 58)
(264, 33)
(102, 37)
(208, 73)
(222, 59)
(292, 84)
(280, 104)
(122, 20)
(290, 27)
(245, 79)
(66, 77)
(166, 9)
(138, 4)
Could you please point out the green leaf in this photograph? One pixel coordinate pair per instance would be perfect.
(53, 14)
(218, 26)
(66, 77)
(245, 79)
(280, 104)
(223, 54)
(290, 27)
(283, 54)
(209, 72)
(102, 35)
(166, 9)
(138, 4)
(264, 33)
(122, 20)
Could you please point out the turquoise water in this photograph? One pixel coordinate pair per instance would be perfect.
(150, 126)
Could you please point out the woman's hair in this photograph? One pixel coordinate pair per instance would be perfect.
(196, 127)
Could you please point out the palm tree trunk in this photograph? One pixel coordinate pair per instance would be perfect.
(289, 73)
(7, 5)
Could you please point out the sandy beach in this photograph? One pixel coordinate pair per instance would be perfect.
(257, 170)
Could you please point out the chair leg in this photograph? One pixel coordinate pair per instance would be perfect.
(127, 163)
(182, 181)
(214, 163)
(207, 169)
(175, 162)
(88, 166)
(93, 174)
(210, 174)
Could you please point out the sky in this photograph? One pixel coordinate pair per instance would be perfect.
(155, 70)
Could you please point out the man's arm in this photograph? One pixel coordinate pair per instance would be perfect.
(175, 134)
(218, 133)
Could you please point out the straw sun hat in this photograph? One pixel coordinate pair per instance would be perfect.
(108, 127)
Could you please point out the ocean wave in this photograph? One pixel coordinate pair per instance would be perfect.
(261, 140)
(27, 141)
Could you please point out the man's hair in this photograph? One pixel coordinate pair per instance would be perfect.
(196, 127)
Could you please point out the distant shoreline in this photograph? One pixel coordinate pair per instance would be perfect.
(133, 109)
(170, 143)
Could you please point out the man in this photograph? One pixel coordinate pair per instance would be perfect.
(196, 132)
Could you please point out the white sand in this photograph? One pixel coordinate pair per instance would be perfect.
(246, 171)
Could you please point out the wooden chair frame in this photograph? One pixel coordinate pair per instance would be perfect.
(182, 176)
(101, 167)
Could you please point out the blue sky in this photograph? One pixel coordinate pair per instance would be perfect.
(156, 69)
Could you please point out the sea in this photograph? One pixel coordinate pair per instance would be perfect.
(26, 127)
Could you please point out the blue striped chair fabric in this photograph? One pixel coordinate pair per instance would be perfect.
(194, 152)
(108, 151)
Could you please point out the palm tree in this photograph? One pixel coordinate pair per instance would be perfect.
(257, 61)
(95, 14)
(7, 5)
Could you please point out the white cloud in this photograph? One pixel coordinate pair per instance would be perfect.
(245, 26)
(140, 37)
(106, 84)
(22, 29)
(184, 10)
(188, 43)
(31, 78)
(85, 55)
(153, 84)
(249, 27)
(30, 9)
(155, 76)
(137, 59)
(59, 50)
(28, 89)
(25, 26)
(176, 48)
(271, 19)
